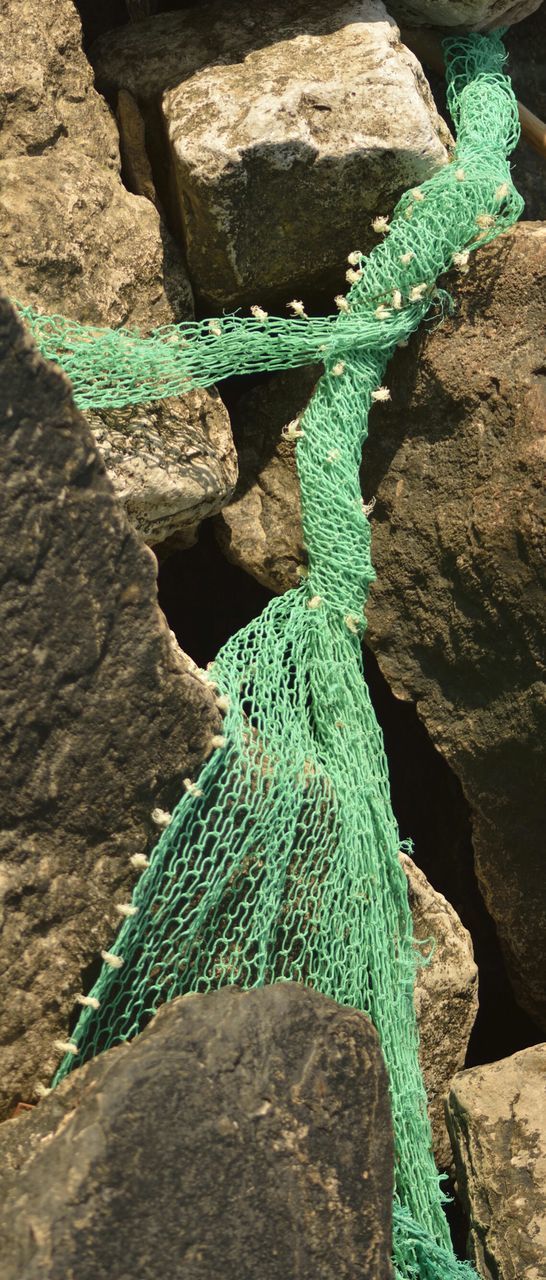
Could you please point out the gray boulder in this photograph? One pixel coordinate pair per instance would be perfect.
(497, 1120)
(101, 715)
(242, 1134)
(286, 130)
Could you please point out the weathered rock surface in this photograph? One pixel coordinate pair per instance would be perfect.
(455, 617)
(260, 529)
(101, 716)
(171, 463)
(473, 15)
(46, 85)
(446, 997)
(243, 1133)
(286, 127)
(75, 242)
(497, 1119)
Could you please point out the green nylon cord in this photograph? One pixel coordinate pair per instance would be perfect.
(282, 862)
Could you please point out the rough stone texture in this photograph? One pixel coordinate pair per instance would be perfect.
(242, 1134)
(46, 85)
(74, 241)
(497, 1118)
(446, 997)
(171, 464)
(260, 529)
(473, 15)
(288, 129)
(526, 44)
(101, 717)
(456, 614)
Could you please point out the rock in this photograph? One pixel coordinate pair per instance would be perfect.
(72, 238)
(455, 617)
(243, 1133)
(473, 15)
(260, 529)
(73, 241)
(446, 997)
(286, 130)
(497, 1119)
(102, 717)
(526, 44)
(46, 86)
(171, 463)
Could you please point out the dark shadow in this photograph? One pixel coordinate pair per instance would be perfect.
(204, 598)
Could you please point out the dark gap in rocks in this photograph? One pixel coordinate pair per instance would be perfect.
(98, 16)
(427, 797)
(430, 807)
(457, 1220)
(205, 598)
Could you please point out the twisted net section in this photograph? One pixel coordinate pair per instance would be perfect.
(282, 861)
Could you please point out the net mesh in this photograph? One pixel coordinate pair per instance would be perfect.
(282, 861)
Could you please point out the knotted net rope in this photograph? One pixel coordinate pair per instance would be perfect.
(281, 862)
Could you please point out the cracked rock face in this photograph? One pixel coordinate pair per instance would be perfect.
(287, 130)
(172, 463)
(243, 1133)
(497, 1120)
(102, 716)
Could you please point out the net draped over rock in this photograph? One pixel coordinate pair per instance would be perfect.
(282, 863)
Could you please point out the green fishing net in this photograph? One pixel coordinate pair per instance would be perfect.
(281, 861)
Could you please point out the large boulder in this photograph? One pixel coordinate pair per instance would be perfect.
(446, 997)
(172, 463)
(242, 1134)
(455, 617)
(102, 716)
(473, 15)
(286, 130)
(497, 1120)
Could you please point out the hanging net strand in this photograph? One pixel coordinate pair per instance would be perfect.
(282, 861)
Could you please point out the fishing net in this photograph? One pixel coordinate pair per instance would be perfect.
(281, 861)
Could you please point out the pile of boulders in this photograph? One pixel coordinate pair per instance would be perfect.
(201, 158)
